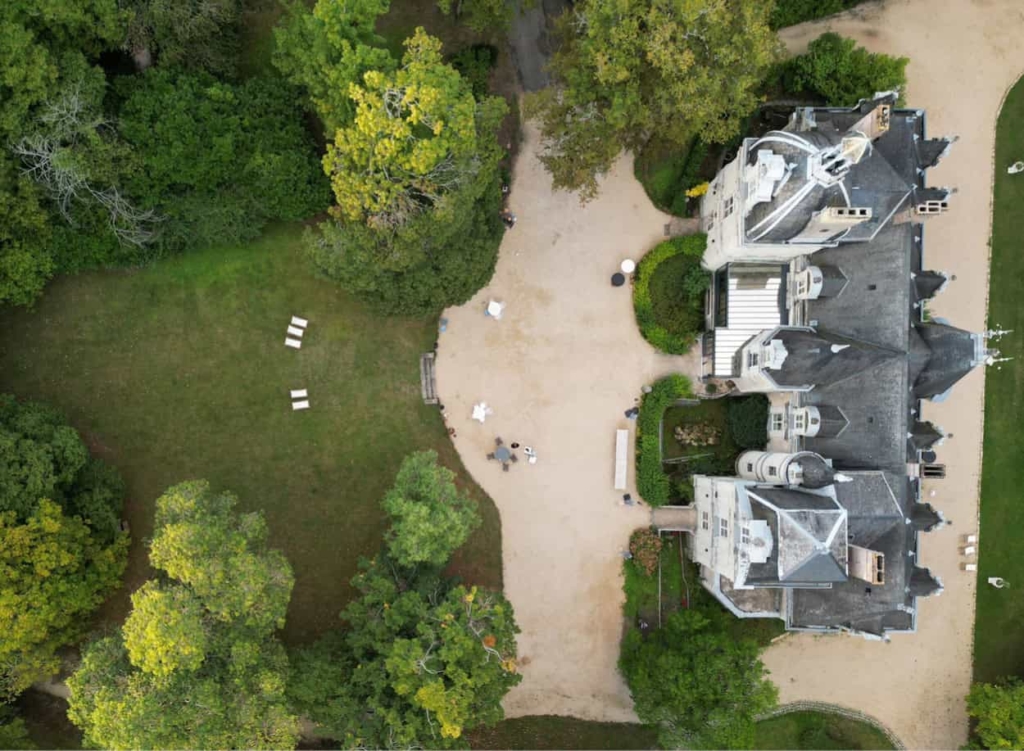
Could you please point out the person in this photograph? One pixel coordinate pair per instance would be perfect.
(451, 432)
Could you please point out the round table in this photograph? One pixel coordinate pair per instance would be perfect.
(618, 279)
(502, 454)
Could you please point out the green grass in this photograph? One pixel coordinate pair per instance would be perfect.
(998, 641)
(552, 732)
(180, 371)
(818, 730)
(667, 171)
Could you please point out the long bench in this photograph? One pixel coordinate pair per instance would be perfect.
(621, 458)
(428, 386)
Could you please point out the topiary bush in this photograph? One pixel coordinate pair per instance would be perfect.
(669, 302)
(645, 547)
(651, 481)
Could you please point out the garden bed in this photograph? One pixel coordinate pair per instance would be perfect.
(668, 294)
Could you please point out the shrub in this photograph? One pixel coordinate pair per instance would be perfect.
(651, 481)
(748, 421)
(667, 174)
(645, 546)
(669, 311)
(842, 73)
(474, 64)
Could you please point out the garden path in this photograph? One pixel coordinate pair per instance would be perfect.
(964, 56)
(559, 370)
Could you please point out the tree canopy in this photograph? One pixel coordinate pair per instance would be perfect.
(55, 572)
(330, 48)
(998, 711)
(842, 73)
(696, 683)
(627, 69)
(419, 663)
(430, 518)
(197, 664)
(198, 34)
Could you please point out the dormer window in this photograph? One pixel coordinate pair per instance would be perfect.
(809, 283)
(752, 359)
(806, 421)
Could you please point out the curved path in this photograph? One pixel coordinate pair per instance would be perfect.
(965, 54)
(559, 371)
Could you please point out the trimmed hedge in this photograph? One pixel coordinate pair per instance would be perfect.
(693, 284)
(747, 417)
(792, 12)
(651, 481)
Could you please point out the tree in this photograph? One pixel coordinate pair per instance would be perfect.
(43, 457)
(430, 518)
(702, 688)
(222, 556)
(197, 664)
(998, 711)
(479, 15)
(842, 73)
(26, 262)
(418, 189)
(419, 664)
(199, 34)
(13, 733)
(54, 572)
(327, 50)
(413, 142)
(627, 69)
(219, 160)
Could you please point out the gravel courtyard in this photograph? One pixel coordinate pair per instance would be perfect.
(559, 370)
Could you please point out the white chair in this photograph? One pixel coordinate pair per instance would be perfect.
(300, 322)
(970, 539)
(532, 459)
(300, 405)
(970, 550)
(296, 331)
(299, 393)
(293, 343)
(969, 566)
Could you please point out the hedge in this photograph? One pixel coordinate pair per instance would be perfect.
(672, 342)
(651, 481)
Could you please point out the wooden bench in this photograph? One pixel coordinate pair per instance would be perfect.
(428, 386)
(621, 458)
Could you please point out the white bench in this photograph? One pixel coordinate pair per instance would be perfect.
(300, 322)
(299, 393)
(293, 343)
(621, 458)
(296, 331)
(300, 405)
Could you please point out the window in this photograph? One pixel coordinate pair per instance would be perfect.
(777, 422)
(752, 359)
(728, 207)
(750, 467)
(723, 527)
(772, 471)
(705, 520)
(799, 421)
(745, 535)
(711, 220)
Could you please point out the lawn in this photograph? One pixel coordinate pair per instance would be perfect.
(180, 371)
(818, 731)
(552, 732)
(998, 642)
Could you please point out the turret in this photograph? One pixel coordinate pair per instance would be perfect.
(804, 469)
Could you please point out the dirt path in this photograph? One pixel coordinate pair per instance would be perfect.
(559, 370)
(964, 55)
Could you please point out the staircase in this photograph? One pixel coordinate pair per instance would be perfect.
(428, 386)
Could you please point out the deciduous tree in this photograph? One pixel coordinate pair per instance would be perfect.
(330, 48)
(54, 572)
(479, 15)
(430, 518)
(190, 33)
(998, 711)
(627, 69)
(415, 667)
(197, 664)
(698, 685)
